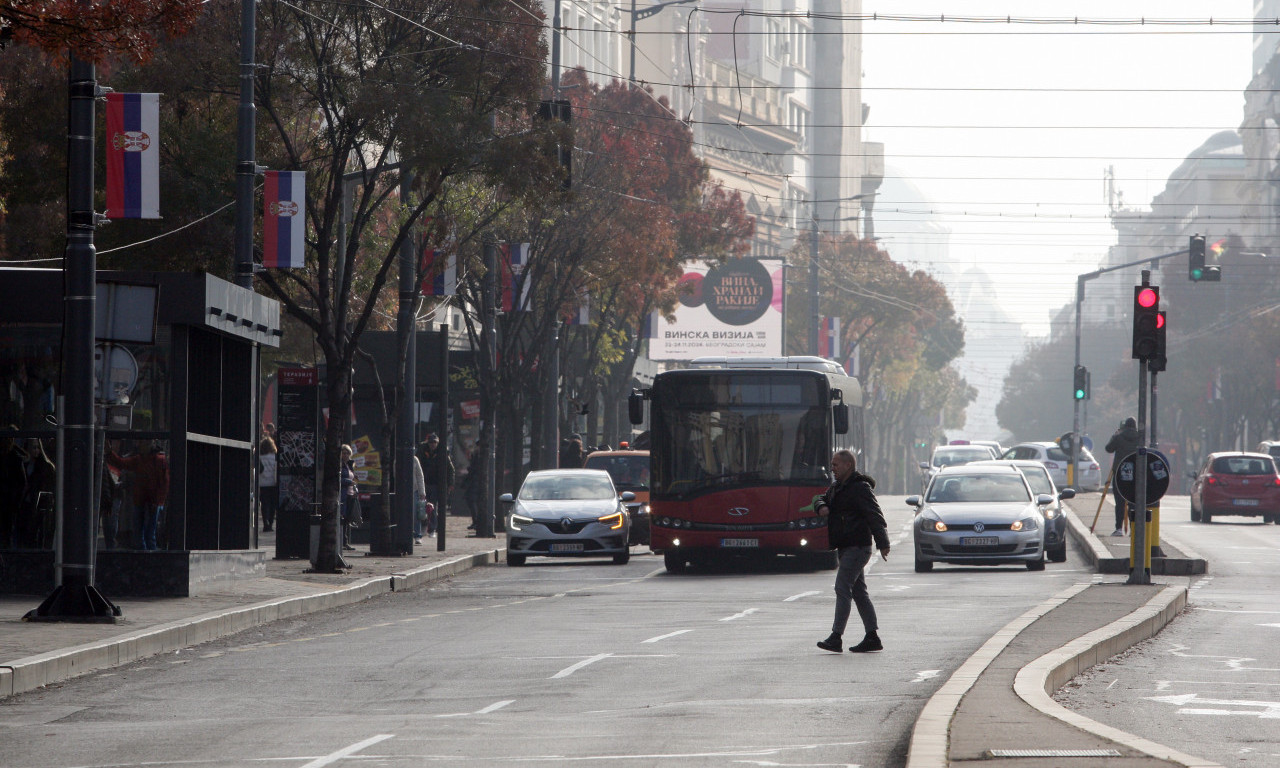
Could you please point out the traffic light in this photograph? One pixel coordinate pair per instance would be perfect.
(1146, 319)
(1081, 389)
(1158, 360)
(1195, 264)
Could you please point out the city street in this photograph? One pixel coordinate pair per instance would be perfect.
(1209, 684)
(558, 661)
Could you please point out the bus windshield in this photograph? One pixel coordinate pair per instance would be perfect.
(726, 430)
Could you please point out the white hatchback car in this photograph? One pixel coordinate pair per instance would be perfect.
(1088, 472)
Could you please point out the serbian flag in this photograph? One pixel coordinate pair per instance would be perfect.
(283, 221)
(581, 315)
(439, 273)
(133, 155)
(828, 337)
(853, 366)
(515, 282)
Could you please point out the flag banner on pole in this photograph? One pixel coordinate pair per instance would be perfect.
(582, 314)
(828, 337)
(439, 273)
(283, 220)
(649, 324)
(133, 155)
(853, 365)
(515, 285)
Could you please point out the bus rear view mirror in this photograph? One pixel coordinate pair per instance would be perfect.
(635, 407)
(841, 414)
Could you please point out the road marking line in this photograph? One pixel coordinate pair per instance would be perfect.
(926, 674)
(333, 757)
(495, 707)
(747, 612)
(664, 637)
(571, 669)
(802, 594)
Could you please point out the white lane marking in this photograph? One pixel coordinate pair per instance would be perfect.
(747, 612)
(333, 757)
(574, 668)
(744, 752)
(495, 707)
(802, 594)
(926, 674)
(664, 637)
(1267, 710)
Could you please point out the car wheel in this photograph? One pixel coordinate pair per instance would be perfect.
(515, 560)
(1206, 516)
(1195, 514)
(924, 566)
(1058, 554)
(622, 559)
(674, 562)
(1035, 565)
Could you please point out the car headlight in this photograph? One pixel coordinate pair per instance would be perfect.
(1050, 513)
(1025, 524)
(931, 523)
(517, 521)
(614, 521)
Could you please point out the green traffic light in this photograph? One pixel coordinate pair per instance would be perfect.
(1079, 394)
(1197, 273)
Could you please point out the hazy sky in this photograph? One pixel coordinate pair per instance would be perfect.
(1009, 128)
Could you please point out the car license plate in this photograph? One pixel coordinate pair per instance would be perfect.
(568, 547)
(1245, 502)
(739, 542)
(979, 541)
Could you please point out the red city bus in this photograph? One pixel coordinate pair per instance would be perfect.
(739, 447)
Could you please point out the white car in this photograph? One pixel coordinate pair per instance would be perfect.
(1088, 472)
(568, 513)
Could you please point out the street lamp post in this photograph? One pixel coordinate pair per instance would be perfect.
(645, 13)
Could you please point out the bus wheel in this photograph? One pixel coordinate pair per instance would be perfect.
(924, 566)
(674, 561)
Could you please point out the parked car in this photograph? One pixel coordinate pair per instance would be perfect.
(1055, 528)
(953, 456)
(979, 514)
(1088, 471)
(568, 513)
(1236, 483)
(630, 472)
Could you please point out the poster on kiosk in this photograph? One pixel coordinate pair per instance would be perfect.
(732, 309)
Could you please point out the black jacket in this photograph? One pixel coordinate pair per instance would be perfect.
(854, 518)
(1123, 442)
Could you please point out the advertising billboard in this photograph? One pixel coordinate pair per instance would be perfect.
(732, 309)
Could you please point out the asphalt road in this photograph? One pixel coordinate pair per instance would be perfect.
(559, 662)
(1209, 684)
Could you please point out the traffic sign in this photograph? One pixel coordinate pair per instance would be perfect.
(1157, 476)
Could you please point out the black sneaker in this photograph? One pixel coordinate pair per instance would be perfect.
(869, 643)
(832, 644)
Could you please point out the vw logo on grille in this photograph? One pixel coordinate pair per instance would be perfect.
(738, 511)
(979, 527)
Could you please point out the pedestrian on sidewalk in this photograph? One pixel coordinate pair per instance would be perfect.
(150, 486)
(268, 497)
(854, 523)
(436, 462)
(349, 501)
(419, 500)
(1124, 441)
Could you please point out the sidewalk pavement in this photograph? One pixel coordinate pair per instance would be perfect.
(997, 706)
(34, 654)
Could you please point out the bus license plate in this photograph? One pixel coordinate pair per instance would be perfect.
(980, 541)
(739, 542)
(570, 547)
(1245, 502)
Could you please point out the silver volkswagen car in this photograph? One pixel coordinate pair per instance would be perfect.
(568, 513)
(979, 515)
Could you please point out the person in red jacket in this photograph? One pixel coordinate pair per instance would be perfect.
(150, 486)
(854, 523)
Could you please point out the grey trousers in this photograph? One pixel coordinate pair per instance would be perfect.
(851, 586)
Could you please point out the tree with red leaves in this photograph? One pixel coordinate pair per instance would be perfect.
(96, 30)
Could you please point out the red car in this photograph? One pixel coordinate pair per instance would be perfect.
(1236, 483)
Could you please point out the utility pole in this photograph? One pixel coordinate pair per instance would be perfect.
(399, 539)
(246, 164)
(813, 287)
(488, 406)
(75, 598)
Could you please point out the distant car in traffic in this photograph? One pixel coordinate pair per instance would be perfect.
(1088, 471)
(568, 513)
(1236, 483)
(979, 514)
(953, 456)
(629, 470)
(1269, 447)
(1055, 529)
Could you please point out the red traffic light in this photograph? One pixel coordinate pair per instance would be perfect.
(1160, 320)
(1147, 298)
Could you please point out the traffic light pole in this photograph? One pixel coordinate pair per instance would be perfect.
(1080, 281)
